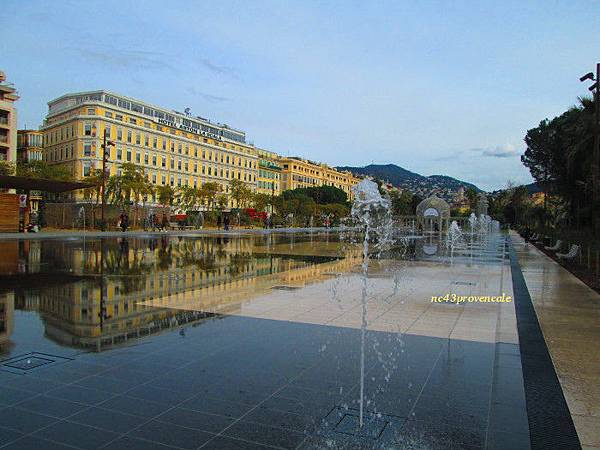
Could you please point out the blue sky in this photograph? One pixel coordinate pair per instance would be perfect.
(435, 87)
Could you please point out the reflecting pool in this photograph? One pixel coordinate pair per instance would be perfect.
(253, 341)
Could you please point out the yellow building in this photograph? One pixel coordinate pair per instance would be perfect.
(269, 173)
(302, 173)
(30, 148)
(30, 145)
(175, 148)
(8, 121)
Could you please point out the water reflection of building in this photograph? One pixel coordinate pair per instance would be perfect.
(136, 287)
(7, 301)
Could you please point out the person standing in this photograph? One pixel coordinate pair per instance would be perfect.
(124, 220)
(226, 223)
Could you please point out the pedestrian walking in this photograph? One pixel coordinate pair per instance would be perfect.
(124, 221)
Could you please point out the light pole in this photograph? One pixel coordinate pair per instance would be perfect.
(596, 155)
(106, 143)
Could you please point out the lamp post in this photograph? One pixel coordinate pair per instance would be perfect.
(106, 143)
(596, 155)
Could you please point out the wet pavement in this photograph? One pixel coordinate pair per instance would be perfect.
(569, 316)
(253, 342)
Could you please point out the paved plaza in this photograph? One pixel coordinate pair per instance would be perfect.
(255, 342)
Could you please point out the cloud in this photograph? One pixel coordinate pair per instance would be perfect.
(144, 60)
(501, 151)
(209, 97)
(125, 59)
(220, 70)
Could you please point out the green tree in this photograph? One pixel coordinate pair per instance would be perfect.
(188, 198)
(7, 168)
(471, 195)
(165, 195)
(41, 169)
(208, 193)
(261, 201)
(240, 193)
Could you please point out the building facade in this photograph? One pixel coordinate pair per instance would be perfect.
(29, 149)
(175, 149)
(269, 173)
(302, 173)
(8, 121)
(30, 145)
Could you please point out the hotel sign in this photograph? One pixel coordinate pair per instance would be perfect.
(187, 129)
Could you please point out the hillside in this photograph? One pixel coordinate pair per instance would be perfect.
(444, 186)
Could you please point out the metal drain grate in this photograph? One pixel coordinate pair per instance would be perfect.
(347, 421)
(30, 361)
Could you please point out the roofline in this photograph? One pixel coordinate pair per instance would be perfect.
(144, 103)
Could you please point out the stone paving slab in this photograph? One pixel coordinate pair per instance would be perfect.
(569, 315)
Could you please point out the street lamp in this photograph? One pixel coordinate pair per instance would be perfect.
(595, 87)
(106, 143)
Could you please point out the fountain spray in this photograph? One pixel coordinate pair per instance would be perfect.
(371, 210)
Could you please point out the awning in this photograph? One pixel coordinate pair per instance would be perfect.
(41, 184)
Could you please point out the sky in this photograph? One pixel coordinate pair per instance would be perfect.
(435, 87)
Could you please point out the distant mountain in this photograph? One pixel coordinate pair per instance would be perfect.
(532, 188)
(442, 185)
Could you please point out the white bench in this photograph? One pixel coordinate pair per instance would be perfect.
(571, 254)
(555, 246)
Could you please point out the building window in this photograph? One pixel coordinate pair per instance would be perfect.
(154, 160)
(128, 155)
(172, 163)
(138, 158)
(137, 138)
(146, 158)
(87, 149)
(87, 129)
(119, 154)
(164, 162)
(108, 114)
(128, 135)
(132, 120)
(155, 142)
